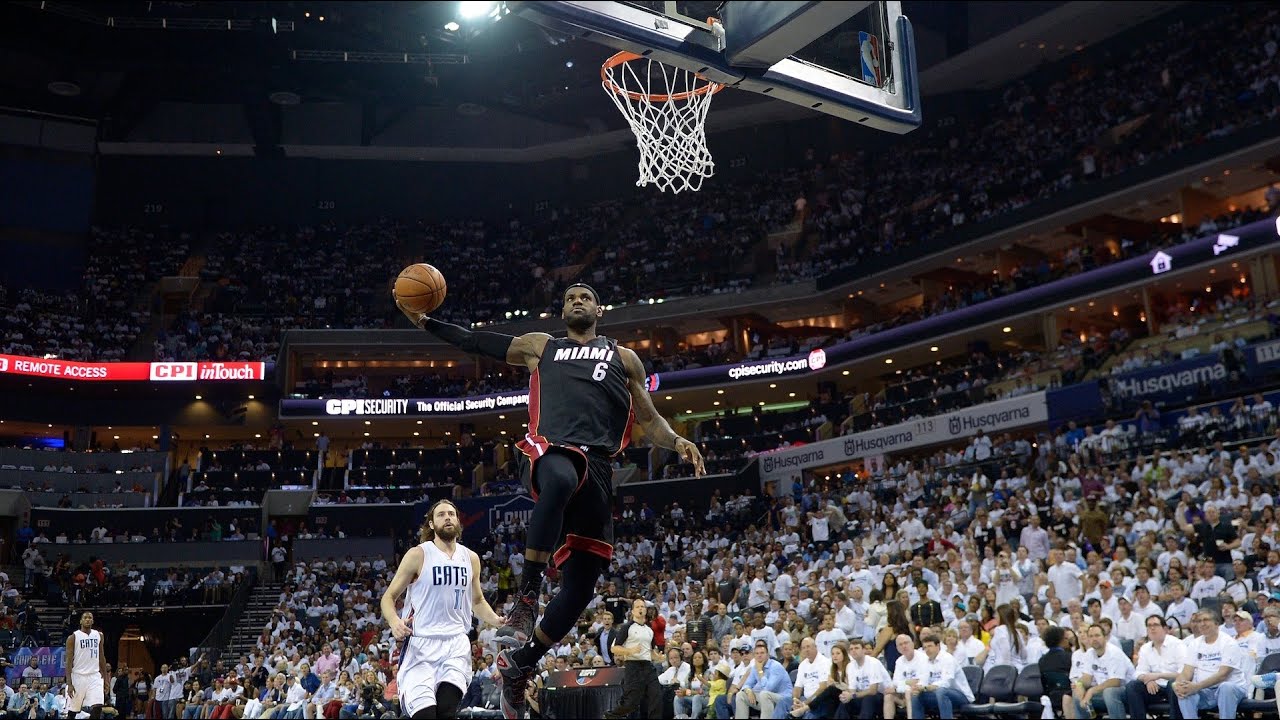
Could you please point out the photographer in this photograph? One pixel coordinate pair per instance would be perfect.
(372, 703)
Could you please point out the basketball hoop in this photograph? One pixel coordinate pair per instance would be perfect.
(666, 107)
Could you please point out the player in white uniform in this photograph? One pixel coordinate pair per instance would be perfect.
(443, 583)
(87, 658)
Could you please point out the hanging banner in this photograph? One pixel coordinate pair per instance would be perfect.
(51, 661)
(203, 371)
(1030, 409)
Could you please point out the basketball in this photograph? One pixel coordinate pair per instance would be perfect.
(420, 288)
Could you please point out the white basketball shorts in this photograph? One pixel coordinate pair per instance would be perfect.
(86, 691)
(427, 662)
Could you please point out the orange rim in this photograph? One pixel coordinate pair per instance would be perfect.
(625, 57)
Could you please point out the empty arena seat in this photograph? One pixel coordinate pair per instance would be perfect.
(997, 687)
(1029, 686)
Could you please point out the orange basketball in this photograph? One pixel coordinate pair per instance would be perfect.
(420, 288)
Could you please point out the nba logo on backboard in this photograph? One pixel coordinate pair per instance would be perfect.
(870, 50)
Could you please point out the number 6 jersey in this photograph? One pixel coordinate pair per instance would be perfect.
(579, 397)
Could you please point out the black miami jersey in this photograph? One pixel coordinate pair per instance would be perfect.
(579, 397)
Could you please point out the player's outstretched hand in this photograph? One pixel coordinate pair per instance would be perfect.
(691, 455)
(414, 317)
(399, 630)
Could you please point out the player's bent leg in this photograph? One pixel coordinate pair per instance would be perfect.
(583, 561)
(557, 476)
(448, 697)
(426, 713)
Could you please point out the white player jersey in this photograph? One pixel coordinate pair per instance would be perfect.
(88, 645)
(439, 600)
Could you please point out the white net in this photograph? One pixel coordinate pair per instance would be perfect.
(666, 108)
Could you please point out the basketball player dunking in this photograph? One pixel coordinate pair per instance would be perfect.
(443, 581)
(89, 678)
(584, 394)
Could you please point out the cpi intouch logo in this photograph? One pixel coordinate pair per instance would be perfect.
(817, 359)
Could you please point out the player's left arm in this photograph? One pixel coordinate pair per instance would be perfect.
(656, 427)
(71, 657)
(479, 606)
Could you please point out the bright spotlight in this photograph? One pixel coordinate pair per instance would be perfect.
(471, 10)
(452, 26)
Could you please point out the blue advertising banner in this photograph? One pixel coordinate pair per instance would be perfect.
(52, 663)
(480, 515)
(1083, 400)
(1175, 382)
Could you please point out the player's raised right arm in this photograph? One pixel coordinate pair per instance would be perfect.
(521, 350)
(410, 566)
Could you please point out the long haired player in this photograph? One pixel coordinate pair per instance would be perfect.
(442, 578)
(585, 391)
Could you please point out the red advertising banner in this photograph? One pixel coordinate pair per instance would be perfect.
(203, 371)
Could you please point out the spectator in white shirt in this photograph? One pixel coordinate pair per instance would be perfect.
(1159, 661)
(812, 678)
(867, 679)
(758, 591)
(907, 677)
(1064, 576)
(1180, 607)
(765, 633)
(829, 635)
(943, 687)
(783, 586)
(1143, 604)
(296, 695)
(1008, 643)
(1269, 629)
(677, 672)
(848, 619)
(1102, 684)
(1252, 645)
(1212, 676)
(1209, 585)
(968, 647)
(1128, 626)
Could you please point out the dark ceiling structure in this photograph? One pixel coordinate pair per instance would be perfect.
(368, 74)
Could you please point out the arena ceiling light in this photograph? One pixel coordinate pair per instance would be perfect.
(470, 10)
(452, 26)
